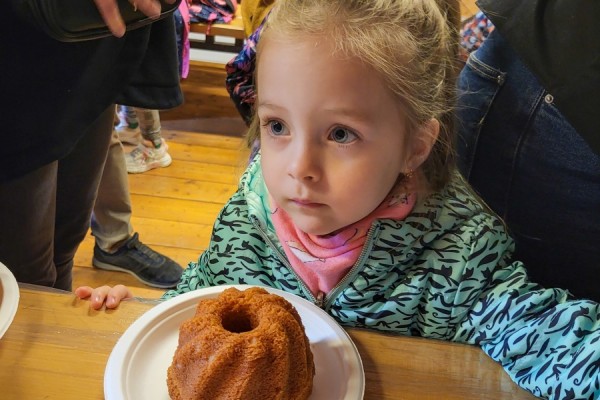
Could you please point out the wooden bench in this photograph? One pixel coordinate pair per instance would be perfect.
(234, 30)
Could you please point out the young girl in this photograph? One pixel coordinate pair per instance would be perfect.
(354, 202)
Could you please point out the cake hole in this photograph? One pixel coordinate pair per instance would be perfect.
(237, 322)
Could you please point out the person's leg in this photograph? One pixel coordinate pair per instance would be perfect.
(27, 210)
(127, 116)
(117, 247)
(153, 151)
(78, 178)
(111, 219)
(127, 128)
(149, 121)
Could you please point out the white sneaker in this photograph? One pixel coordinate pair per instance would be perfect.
(144, 158)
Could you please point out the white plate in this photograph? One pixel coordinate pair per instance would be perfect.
(10, 298)
(137, 366)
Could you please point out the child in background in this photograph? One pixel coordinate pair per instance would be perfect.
(151, 151)
(354, 201)
(240, 69)
(473, 32)
(141, 127)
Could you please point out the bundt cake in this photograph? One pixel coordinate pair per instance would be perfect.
(246, 344)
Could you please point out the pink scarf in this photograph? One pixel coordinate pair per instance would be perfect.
(322, 261)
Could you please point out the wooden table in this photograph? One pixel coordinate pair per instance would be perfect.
(57, 348)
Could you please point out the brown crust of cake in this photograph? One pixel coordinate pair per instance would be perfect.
(242, 345)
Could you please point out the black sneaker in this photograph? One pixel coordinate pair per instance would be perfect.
(141, 261)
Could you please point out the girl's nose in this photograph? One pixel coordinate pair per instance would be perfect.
(303, 164)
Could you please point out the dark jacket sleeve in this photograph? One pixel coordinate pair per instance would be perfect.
(53, 91)
(558, 41)
(156, 83)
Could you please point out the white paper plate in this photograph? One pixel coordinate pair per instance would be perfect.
(10, 298)
(137, 366)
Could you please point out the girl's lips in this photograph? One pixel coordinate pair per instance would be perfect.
(305, 203)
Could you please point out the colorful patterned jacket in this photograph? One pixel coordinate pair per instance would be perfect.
(444, 272)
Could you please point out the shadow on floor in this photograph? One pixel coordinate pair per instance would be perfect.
(222, 126)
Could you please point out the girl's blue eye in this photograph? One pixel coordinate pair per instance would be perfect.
(276, 128)
(342, 135)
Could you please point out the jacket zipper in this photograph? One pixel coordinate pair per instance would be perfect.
(361, 260)
(321, 300)
(316, 300)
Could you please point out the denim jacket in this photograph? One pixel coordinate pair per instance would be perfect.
(444, 272)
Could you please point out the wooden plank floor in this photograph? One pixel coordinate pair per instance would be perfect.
(174, 207)
(467, 8)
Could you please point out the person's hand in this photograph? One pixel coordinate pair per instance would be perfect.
(111, 296)
(109, 10)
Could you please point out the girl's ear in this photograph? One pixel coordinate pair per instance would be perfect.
(423, 142)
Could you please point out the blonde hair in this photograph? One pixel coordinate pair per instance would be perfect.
(411, 44)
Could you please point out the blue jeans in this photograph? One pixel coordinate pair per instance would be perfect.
(532, 168)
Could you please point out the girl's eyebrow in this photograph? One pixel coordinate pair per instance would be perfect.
(351, 112)
(345, 111)
(266, 104)
(270, 108)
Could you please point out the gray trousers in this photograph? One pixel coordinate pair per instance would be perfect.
(45, 214)
(111, 219)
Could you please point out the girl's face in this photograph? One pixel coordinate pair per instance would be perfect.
(332, 136)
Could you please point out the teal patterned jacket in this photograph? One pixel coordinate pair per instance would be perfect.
(444, 272)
